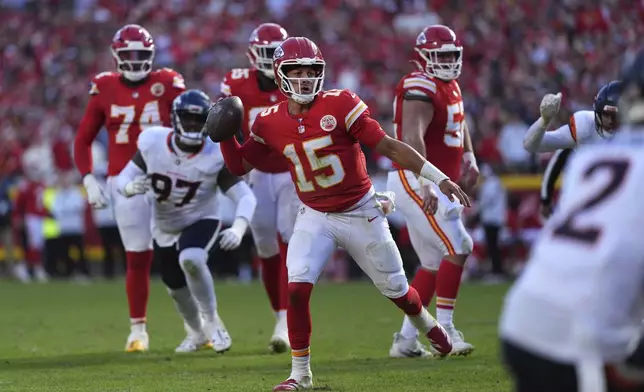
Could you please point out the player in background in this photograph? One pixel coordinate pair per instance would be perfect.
(319, 133)
(429, 116)
(126, 102)
(183, 171)
(272, 224)
(584, 126)
(573, 319)
(29, 212)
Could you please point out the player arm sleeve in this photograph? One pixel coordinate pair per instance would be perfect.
(552, 173)
(239, 192)
(89, 127)
(359, 124)
(538, 140)
(136, 167)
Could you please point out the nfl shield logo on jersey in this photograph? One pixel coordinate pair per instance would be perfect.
(328, 123)
(157, 89)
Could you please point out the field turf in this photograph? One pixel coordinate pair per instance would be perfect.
(67, 337)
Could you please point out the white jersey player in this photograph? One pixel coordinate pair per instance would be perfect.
(181, 170)
(573, 320)
(584, 126)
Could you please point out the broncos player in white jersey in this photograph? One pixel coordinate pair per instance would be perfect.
(584, 126)
(181, 169)
(573, 320)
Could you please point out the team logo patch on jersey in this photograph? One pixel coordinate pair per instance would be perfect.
(328, 123)
(157, 89)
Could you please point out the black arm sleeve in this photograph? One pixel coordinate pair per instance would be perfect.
(553, 170)
(139, 161)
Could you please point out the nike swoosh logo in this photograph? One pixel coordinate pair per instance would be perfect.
(372, 219)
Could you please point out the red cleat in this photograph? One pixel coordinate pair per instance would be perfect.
(440, 340)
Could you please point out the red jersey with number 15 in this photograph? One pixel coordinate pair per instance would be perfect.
(322, 146)
(243, 83)
(125, 110)
(444, 135)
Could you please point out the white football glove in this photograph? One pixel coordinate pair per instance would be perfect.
(550, 106)
(138, 186)
(95, 194)
(231, 238)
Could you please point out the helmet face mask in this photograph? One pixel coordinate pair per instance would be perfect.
(299, 69)
(133, 51)
(189, 115)
(606, 109)
(438, 53)
(261, 46)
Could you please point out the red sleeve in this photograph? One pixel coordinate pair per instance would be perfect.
(258, 155)
(358, 121)
(90, 125)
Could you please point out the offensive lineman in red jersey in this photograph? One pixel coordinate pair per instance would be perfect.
(429, 117)
(319, 133)
(126, 102)
(276, 197)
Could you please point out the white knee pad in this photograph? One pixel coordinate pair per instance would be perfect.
(390, 276)
(395, 286)
(192, 260)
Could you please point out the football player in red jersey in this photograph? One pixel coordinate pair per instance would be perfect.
(429, 117)
(319, 133)
(126, 102)
(275, 192)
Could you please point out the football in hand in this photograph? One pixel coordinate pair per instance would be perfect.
(225, 119)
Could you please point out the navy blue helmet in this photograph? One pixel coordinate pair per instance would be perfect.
(605, 106)
(189, 114)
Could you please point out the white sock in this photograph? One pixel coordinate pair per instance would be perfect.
(194, 261)
(280, 315)
(408, 330)
(445, 317)
(187, 307)
(301, 364)
(423, 321)
(137, 325)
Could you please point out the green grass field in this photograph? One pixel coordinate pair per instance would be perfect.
(66, 337)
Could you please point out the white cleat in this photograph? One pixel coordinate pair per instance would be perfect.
(459, 346)
(194, 342)
(279, 342)
(219, 336)
(407, 348)
(40, 274)
(137, 342)
(21, 273)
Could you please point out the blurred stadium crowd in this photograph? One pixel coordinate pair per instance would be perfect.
(514, 52)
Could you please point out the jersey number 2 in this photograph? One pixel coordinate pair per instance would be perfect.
(330, 161)
(616, 169)
(149, 116)
(162, 186)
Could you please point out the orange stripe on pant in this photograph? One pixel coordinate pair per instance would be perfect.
(430, 218)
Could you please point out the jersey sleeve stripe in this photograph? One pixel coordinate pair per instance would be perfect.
(354, 114)
(430, 218)
(225, 89)
(422, 83)
(257, 138)
(573, 128)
